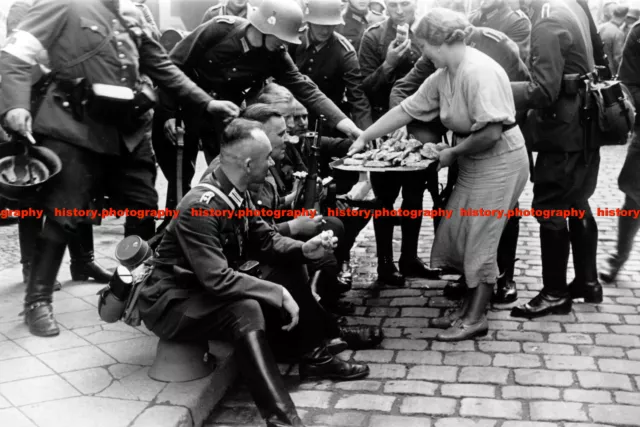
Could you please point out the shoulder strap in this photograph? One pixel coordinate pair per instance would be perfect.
(86, 56)
(218, 192)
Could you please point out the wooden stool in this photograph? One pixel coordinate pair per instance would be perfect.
(181, 361)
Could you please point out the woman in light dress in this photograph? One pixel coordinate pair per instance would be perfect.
(471, 94)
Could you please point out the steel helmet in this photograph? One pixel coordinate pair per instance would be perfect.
(24, 168)
(171, 37)
(323, 12)
(280, 18)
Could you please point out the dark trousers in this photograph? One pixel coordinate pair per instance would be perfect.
(203, 317)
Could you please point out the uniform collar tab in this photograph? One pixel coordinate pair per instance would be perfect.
(228, 188)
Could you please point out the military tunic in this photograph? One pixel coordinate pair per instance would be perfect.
(334, 67)
(223, 9)
(515, 24)
(354, 25)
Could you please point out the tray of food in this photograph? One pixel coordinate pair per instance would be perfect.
(393, 155)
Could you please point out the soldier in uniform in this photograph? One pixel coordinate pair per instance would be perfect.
(355, 21)
(566, 169)
(505, 52)
(383, 61)
(101, 145)
(497, 14)
(331, 61)
(200, 290)
(629, 179)
(613, 37)
(232, 58)
(227, 7)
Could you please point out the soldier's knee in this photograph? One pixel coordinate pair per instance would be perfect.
(552, 223)
(251, 317)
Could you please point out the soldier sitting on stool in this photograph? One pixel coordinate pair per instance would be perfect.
(196, 291)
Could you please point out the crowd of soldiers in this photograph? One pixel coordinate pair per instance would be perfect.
(90, 82)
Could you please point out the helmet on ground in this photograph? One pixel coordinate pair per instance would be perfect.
(171, 37)
(280, 18)
(25, 168)
(323, 12)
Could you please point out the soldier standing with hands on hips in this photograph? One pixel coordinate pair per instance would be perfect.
(97, 50)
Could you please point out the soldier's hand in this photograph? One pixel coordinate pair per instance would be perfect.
(19, 120)
(395, 54)
(291, 307)
(306, 226)
(318, 246)
(400, 133)
(226, 108)
(170, 130)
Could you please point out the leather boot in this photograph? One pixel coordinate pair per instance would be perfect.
(554, 297)
(38, 311)
(29, 228)
(361, 337)
(506, 292)
(83, 265)
(320, 363)
(145, 227)
(265, 383)
(410, 265)
(584, 245)
(345, 276)
(388, 274)
(456, 290)
(627, 230)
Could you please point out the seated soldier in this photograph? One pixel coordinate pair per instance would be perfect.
(197, 290)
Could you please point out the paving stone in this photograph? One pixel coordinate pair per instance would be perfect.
(387, 370)
(158, 415)
(596, 351)
(419, 357)
(543, 377)
(106, 333)
(616, 414)
(557, 411)
(9, 350)
(588, 396)
(597, 318)
(517, 360)
(420, 312)
(529, 393)
(84, 411)
(528, 424)
(464, 422)
(627, 398)
(366, 402)
(466, 358)
(4, 403)
(346, 419)
(570, 338)
(406, 322)
(361, 385)
(89, 381)
(542, 326)
(499, 346)
(453, 346)
(585, 328)
(491, 408)
(233, 415)
(468, 390)
(404, 344)
(14, 418)
(379, 356)
(398, 421)
(503, 325)
(137, 351)
(616, 309)
(80, 319)
(484, 375)
(573, 363)
(519, 336)
(603, 380)
(37, 345)
(618, 340)
(75, 359)
(137, 386)
(433, 373)
(22, 368)
(36, 390)
(428, 405)
(545, 348)
(632, 319)
(411, 387)
(421, 333)
(619, 366)
(121, 370)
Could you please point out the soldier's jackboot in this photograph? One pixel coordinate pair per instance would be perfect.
(387, 271)
(410, 264)
(554, 297)
(627, 230)
(38, 312)
(258, 366)
(321, 364)
(584, 244)
(505, 291)
(29, 228)
(83, 265)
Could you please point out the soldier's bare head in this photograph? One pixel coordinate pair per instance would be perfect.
(401, 11)
(280, 98)
(273, 124)
(359, 5)
(441, 34)
(245, 150)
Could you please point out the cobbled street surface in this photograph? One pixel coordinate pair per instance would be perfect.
(579, 370)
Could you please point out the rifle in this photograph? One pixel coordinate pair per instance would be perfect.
(307, 197)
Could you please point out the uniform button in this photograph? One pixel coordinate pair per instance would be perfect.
(116, 32)
(65, 104)
(115, 21)
(311, 61)
(124, 79)
(121, 55)
(119, 44)
(309, 70)
(210, 62)
(124, 67)
(94, 28)
(234, 70)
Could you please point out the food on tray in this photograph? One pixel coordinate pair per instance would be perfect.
(396, 152)
(353, 162)
(377, 164)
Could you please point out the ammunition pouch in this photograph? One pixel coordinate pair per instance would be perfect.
(251, 268)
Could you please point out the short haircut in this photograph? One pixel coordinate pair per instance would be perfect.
(442, 26)
(273, 93)
(260, 113)
(239, 130)
(620, 12)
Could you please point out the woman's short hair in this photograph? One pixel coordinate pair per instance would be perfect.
(442, 26)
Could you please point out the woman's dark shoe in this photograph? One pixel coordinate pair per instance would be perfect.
(414, 267)
(543, 304)
(614, 267)
(456, 290)
(446, 321)
(461, 331)
(361, 337)
(388, 274)
(319, 363)
(39, 317)
(591, 292)
(505, 292)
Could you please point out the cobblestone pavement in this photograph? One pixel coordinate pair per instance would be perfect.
(581, 369)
